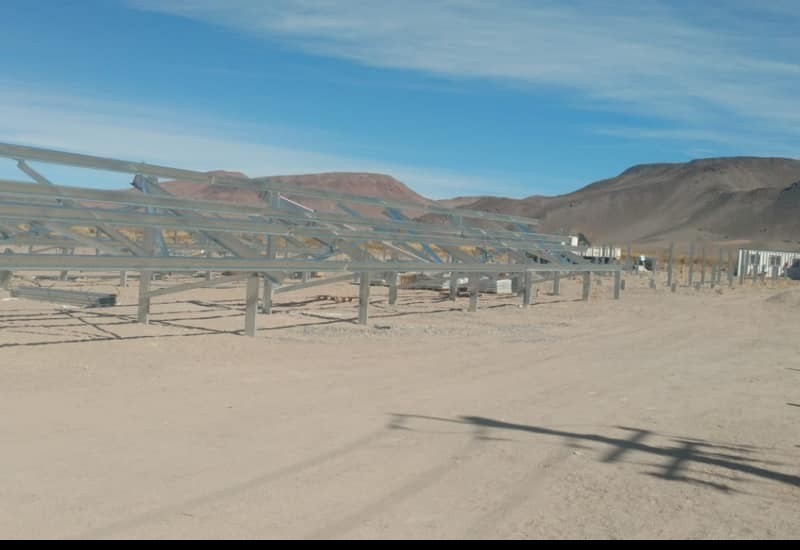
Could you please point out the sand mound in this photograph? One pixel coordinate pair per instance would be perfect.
(787, 298)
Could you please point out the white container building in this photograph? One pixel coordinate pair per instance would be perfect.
(768, 262)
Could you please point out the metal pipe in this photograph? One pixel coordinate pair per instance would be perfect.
(527, 289)
(251, 304)
(363, 298)
(474, 291)
(143, 312)
(393, 288)
(703, 268)
(669, 264)
(53, 262)
(587, 286)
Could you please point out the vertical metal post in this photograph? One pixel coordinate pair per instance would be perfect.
(393, 288)
(755, 273)
(587, 286)
(654, 273)
(251, 304)
(703, 268)
(363, 299)
(453, 286)
(266, 306)
(730, 268)
(5, 280)
(274, 200)
(149, 237)
(741, 266)
(453, 282)
(394, 280)
(715, 274)
(719, 268)
(556, 284)
(143, 314)
(209, 274)
(123, 279)
(64, 274)
(744, 265)
(617, 284)
(691, 264)
(630, 257)
(669, 264)
(474, 290)
(527, 289)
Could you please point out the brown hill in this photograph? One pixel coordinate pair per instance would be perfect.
(361, 184)
(730, 200)
(720, 200)
(200, 191)
(352, 183)
(457, 202)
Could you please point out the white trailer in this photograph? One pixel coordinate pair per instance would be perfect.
(772, 263)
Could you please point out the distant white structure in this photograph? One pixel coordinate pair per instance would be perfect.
(604, 254)
(769, 262)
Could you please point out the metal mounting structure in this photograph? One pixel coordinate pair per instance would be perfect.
(50, 227)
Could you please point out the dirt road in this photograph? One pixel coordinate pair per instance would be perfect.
(662, 415)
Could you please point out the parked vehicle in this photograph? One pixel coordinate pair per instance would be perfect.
(794, 271)
(644, 263)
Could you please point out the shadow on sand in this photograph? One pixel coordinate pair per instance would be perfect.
(728, 462)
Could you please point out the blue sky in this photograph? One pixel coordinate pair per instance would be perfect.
(506, 97)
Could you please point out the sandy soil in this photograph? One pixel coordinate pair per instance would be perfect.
(661, 415)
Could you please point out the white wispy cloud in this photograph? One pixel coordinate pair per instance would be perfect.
(159, 135)
(701, 63)
(701, 142)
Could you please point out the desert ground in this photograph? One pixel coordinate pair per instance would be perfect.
(661, 415)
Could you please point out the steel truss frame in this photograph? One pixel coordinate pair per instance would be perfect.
(270, 239)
